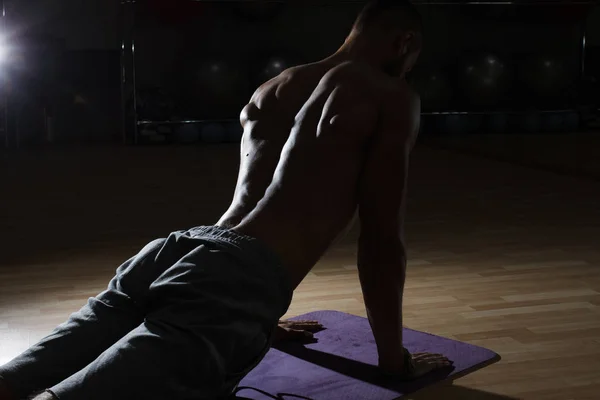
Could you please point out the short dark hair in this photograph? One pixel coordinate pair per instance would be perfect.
(402, 12)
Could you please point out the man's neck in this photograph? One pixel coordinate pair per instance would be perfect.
(355, 49)
(358, 50)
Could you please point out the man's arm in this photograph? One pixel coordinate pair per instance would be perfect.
(381, 249)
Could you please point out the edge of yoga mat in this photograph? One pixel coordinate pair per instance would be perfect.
(476, 359)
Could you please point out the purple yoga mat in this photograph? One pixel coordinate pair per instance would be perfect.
(341, 365)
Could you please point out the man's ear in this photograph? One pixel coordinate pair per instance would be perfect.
(404, 43)
(410, 43)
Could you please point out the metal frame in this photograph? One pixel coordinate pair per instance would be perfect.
(583, 49)
(4, 93)
(128, 83)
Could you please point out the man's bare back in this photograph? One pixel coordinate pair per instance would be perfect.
(307, 134)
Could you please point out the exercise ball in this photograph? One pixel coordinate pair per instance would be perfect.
(215, 87)
(544, 78)
(571, 121)
(552, 122)
(433, 86)
(218, 79)
(269, 67)
(530, 122)
(497, 123)
(187, 133)
(485, 79)
(234, 131)
(213, 133)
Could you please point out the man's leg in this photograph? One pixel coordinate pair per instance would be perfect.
(98, 325)
(160, 359)
(70, 347)
(198, 331)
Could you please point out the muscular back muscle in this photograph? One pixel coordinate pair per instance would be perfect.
(267, 121)
(305, 141)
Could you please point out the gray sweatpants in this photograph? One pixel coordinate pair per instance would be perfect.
(186, 318)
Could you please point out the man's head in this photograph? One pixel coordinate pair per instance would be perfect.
(392, 31)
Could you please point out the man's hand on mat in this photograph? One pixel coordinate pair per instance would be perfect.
(415, 365)
(423, 363)
(296, 330)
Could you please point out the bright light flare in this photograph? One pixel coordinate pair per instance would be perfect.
(3, 52)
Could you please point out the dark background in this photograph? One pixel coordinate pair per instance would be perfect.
(92, 25)
(85, 38)
(61, 198)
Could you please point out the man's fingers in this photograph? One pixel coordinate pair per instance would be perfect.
(310, 328)
(304, 325)
(305, 322)
(433, 357)
(420, 356)
(299, 333)
(287, 334)
(417, 355)
(435, 360)
(308, 334)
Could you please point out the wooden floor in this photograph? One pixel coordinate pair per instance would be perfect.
(566, 153)
(500, 256)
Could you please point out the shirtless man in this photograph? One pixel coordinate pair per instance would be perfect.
(190, 315)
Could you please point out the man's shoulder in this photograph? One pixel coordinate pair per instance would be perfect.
(401, 111)
(399, 92)
(303, 72)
